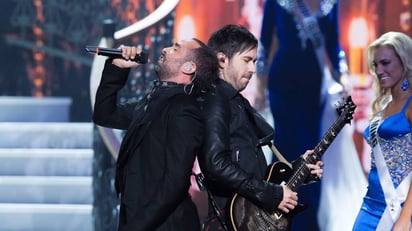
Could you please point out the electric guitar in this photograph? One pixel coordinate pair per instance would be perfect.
(246, 216)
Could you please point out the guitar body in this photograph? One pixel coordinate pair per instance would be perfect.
(246, 216)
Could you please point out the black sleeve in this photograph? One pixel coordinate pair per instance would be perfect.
(107, 112)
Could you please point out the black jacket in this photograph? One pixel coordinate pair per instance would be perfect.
(154, 165)
(232, 158)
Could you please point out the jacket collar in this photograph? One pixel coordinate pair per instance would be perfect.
(226, 89)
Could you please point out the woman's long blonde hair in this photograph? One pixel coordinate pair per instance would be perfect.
(402, 45)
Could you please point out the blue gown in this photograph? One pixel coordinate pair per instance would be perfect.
(395, 138)
(294, 86)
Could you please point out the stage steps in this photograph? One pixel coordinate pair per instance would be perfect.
(46, 176)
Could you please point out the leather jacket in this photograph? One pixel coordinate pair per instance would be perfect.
(232, 159)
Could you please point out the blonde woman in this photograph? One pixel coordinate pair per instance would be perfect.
(390, 136)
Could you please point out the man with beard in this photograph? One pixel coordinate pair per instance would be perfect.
(164, 131)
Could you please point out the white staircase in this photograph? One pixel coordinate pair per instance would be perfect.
(46, 176)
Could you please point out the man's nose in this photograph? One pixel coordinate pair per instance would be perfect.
(252, 68)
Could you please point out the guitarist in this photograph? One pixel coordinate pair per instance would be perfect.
(232, 159)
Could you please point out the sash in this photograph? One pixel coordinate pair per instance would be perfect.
(393, 197)
(309, 29)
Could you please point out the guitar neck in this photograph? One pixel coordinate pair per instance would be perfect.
(327, 140)
(302, 171)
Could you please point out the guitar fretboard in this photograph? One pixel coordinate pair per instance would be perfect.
(303, 171)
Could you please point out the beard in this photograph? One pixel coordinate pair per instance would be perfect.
(164, 70)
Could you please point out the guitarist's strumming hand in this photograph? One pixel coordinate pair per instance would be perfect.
(290, 200)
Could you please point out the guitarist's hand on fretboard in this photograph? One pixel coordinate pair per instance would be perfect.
(314, 165)
(316, 171)
(290, 200)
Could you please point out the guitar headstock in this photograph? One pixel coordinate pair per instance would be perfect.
(346, 109)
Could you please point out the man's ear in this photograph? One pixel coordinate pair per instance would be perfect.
(188, 68)
(222, 59)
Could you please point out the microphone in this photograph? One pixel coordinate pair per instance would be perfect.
(116, 53)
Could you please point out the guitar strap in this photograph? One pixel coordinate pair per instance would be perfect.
(278, 155)
(200, 179)
(259, 125)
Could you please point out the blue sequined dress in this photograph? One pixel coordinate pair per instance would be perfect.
(394, 135)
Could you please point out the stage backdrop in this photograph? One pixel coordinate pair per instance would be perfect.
(42, 44)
